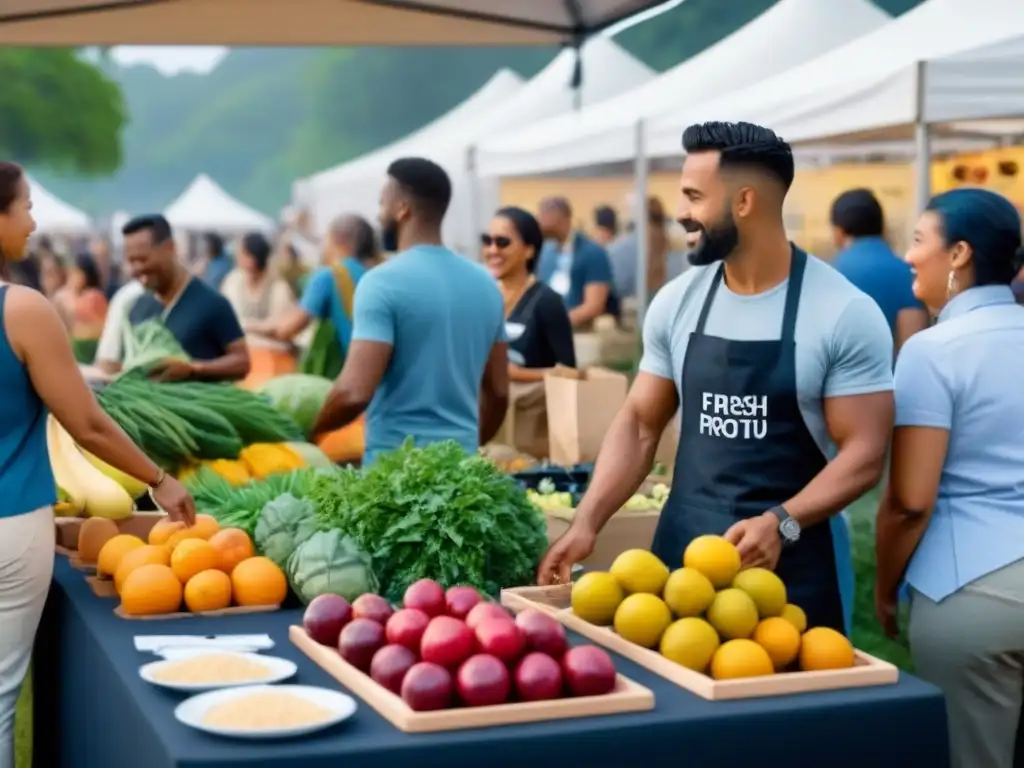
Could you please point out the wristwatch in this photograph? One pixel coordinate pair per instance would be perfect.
(789, 529)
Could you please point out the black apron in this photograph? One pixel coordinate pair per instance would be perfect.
(744, 448)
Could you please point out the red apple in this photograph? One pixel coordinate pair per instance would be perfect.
(447, 642)
(390, 664)
(461, 600)
(589, 671)
(373, 607)
(427, 687)
(406, 628)
(501, 638)
(482, 611)
(324, 618)
(359, 640)
(543, 633)
(427, 596)
(482, 681)
(538, 677)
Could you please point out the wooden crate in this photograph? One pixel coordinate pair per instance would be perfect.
(104, 587)
(555, 600)
(627, 697)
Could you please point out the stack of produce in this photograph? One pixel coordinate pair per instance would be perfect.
(178, 424)
(709, 615)
(205, 567)
(86, 485)
(560, 503)
(299, 396)
(448, 649)
(436, 513)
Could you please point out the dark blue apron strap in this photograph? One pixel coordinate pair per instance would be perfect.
(796, 284)
(708, 301)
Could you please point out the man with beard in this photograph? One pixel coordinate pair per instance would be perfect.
(783, 371)
(428, 357)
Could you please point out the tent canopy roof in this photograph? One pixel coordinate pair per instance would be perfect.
(204, 205)
(54, 215)
(309, 22)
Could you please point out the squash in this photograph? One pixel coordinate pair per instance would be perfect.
(346, 444)
(265, 459)
(234, 471)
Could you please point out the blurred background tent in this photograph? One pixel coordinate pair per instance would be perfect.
(53, 215)
(205, 206)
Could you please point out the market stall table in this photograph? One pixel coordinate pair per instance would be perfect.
(93, 711)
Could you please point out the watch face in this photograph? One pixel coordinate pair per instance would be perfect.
(790, 529)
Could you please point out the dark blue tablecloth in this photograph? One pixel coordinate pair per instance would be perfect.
(93, 711)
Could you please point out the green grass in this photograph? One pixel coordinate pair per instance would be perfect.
(23, 727)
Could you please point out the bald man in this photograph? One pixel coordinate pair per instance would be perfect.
(350, 249)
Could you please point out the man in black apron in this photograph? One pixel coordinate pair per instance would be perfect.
(748, 466)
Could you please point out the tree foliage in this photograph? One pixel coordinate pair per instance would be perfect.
(59, 110)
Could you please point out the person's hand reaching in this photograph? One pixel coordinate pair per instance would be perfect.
(172, 497)
(574, 545)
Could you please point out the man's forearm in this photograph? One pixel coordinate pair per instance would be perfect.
(339, 410)
(854, 471)
(492, 413)
(582, 315)
(230, 367)
(626, 458)
(897, 534)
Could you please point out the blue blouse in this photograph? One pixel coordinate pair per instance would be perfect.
(964, 375)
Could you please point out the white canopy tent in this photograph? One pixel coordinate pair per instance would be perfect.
(309, 22)
(608, 70)
(205, 206)
(946, 61)
(341, 183)
(789, 33)
(53, 215)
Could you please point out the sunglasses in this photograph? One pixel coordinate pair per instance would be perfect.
(498, 242)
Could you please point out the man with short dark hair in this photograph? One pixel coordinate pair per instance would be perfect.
(867, 261)
(200, 318)
(428, 357)
(573, 265)
(606, 224)
(782, 370)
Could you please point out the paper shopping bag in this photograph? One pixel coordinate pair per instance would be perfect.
(580, 407)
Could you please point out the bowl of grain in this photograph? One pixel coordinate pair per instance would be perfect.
(265, 711)
(210, 670)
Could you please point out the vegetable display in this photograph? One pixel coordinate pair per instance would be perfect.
(329, 563)
(436, 513)
(299, 396)
(283, 525)
(148, 343)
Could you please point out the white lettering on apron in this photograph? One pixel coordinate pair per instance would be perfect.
(734, 417)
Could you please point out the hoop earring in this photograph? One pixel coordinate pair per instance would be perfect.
(951, 285)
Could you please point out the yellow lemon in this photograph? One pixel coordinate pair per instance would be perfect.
(780, 639)
(690, 642)
(824, 648)
(715, 557)
(740, 658)
(642, 619)
(595, 596)
(639, 571)
(795, 615)
(766, 589)
(688, 592)
(733, 614)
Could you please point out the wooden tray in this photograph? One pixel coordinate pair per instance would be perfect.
(104, 587)
(627, 697)
(555, 600)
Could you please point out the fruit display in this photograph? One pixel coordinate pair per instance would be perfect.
(84, 487)
(198, 568)
(446, 649)
(655, 500)
(547, 498)
(710, 616)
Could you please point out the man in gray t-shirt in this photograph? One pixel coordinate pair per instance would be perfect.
(781, 370)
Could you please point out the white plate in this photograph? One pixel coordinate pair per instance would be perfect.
(184, 651)
(192, 711)
(278, 670)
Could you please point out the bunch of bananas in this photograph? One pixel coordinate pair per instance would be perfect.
(85, 484)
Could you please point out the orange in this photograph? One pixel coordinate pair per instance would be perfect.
(208, 591)
(111, 553)
(824, 648)
(163, 530)
(259, 581)
(740, 658)
(780, 639)
(151, 590)
(191, 557)
(205, 526)
(148, 554)
(233, 545)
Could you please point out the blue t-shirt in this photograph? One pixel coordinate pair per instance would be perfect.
(442, 314)
(201, 319)
(218, 268)
(870, 264)
(320, 299)
(568, 272)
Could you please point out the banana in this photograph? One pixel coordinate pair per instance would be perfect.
(103, 497)
(135, 488)
(71, 494)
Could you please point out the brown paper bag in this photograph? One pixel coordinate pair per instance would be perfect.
(526, 421)
(581, 406)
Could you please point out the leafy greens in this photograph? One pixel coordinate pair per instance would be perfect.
(435, 513)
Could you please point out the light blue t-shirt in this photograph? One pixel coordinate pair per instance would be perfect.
(843, 344)
(442, 314)
(964, 375)
(870, 264)
(320, 299)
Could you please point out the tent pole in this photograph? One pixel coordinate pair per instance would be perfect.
(922, 141)
(640, 222)
(474, 204)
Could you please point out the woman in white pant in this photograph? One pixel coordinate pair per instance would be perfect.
(39, 375)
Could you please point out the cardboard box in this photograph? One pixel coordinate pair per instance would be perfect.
(67, 528)
(581, 406)
(627, 529)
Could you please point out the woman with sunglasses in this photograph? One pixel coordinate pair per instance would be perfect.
(536, 324)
